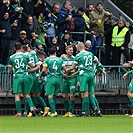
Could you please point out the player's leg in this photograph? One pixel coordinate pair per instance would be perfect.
(26, 93)
(39, 86)
(73, 82)
(130, 96)
(65, 91)
(17, 89)
(50, 92)
(83, 79)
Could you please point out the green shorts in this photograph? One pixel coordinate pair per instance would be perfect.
(21, 85)
(86, 81)
(53, 85)
(92, 91)
(69, 85)
(130, 88)
(37, 86)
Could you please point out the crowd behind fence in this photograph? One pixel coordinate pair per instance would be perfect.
(113, 81)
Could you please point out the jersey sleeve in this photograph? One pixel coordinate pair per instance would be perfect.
(45, 63)
(76, 59)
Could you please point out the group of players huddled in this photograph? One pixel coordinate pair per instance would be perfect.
(73, 72)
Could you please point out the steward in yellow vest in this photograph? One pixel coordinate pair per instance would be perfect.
(118, 38)
(119, 42)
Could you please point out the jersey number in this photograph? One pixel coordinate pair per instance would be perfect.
(32, 60)
(19, 63)
(55, 66)
(88, 60)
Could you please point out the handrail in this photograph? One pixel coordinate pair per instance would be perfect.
(120, 11)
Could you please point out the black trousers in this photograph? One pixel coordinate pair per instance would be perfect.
(116, 55)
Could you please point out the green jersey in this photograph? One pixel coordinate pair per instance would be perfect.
(68, 62)
(19, 62)
(85, 63)
(54, 65)
(34, 59)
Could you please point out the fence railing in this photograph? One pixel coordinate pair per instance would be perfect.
(112, 81)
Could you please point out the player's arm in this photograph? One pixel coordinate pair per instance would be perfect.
(75, 73)
(126, 74)
(43, 71)
(64, 68)
(72, 67)
(34, 69)
(30, 64)
(10, 68)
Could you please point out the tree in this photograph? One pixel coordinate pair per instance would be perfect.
(125, 6)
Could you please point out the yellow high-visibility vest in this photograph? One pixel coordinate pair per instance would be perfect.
(85, 18)
(118, 40)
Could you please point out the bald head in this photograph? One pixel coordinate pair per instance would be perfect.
(81, 46)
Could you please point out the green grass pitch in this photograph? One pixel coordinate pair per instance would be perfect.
(106, 123)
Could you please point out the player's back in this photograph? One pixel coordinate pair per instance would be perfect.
(85, 61)
(19, 61)
(54, 65)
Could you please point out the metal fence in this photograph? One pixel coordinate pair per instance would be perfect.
(112, 81)
(6, 79)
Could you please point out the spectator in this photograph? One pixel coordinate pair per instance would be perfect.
(56, 9)
(39, 7)
(22, 39)
(113, 21)
(80, 25)
(130, 45)
(28, 6)
(28, 27)
(90, 8)
(50, 28)
(63, 18)
(120, 38)
(97, 19)
(90, 47)
(16, 25)
(5, 25)
(64, 42)
(2, 12)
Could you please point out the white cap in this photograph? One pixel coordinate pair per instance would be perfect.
(88, 41)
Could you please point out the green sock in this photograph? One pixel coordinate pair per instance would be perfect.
(34, 100)
(86, 104)
(18, 106)
(66, 105)
(71, 105)
(83, 107)
(92, 101)
(54, 101)
(26, 107)
(41, 101)
(131, 102)
(97, 104)
(30, 103)
(52, 105)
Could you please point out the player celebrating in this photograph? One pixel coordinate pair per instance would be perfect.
(54, 66)
(18, 65)
(85, 61)
(36, 86)
(130, 88)
(69, 82)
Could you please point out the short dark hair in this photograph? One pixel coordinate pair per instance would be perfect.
(25, 48)
(52, 50)
(17, 45)
(99, 4)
